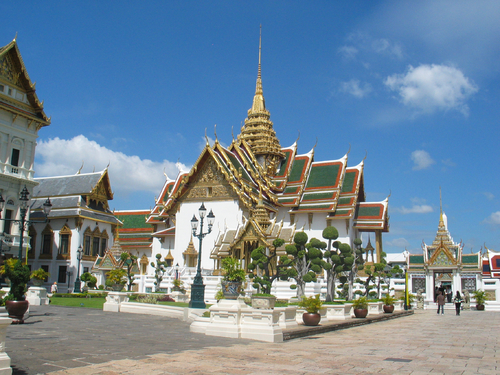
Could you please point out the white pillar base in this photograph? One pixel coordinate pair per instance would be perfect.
(37, 296)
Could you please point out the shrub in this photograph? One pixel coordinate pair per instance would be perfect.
(150, 298)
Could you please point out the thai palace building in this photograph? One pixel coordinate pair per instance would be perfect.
(444, 267)
(22, 116)
(259, 190)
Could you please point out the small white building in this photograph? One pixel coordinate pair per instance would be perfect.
(80, 217)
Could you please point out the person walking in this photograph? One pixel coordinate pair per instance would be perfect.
(53, 288)
(441, 300)
(458, 302)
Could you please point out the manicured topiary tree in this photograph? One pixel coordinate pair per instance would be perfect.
(375, 274)
(303, 262)
(159, 270)
(334, 260)
(88, 278)
(129, 262)
(265, 262)
(354, 261)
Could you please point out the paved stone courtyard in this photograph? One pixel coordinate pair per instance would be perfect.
(65, 340)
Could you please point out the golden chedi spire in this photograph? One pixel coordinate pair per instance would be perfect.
(258, 130)
(260, 214)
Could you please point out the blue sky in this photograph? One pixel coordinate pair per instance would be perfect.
(412, 85)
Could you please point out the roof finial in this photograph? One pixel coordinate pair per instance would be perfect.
(15, 38)
(258, 89)
(440, 205)
(80, 170)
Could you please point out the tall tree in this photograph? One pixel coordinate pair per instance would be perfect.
(355, 262)
(129, 261)
(334, 263)
(159, 270)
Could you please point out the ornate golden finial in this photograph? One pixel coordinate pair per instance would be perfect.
(79, 171)
(15, 38)
(390, 193)
(215, 132)
(315, 144)
(349, 149)
(232, 132)
(107, 166)
(366, 154)
(298, 137)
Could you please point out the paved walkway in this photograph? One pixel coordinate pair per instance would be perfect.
(85, 341)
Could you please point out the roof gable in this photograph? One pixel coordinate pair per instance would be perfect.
(13, 72)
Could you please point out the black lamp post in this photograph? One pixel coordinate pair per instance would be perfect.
(79, 254)
(197, 288)
(406, 288)
(177, 271)
(23, 204)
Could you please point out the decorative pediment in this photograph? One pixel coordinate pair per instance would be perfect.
(101, 192)
(208, 183)
(442, 257)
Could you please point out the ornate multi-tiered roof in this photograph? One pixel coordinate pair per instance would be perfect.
(267, 180)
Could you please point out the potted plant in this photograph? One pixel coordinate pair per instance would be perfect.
(116, 278)
(360, 307)
(233, 278)
(15, 302)
(388, 301)
(480, 297)
(312, 305)
(39, 276)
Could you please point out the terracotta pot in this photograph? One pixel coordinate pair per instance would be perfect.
(16, 310)
(389, 309)
(480, 307)
(311, 319)
(360, 313)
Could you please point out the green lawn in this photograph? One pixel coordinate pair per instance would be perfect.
(93, 303)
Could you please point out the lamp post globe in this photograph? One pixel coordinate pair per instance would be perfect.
(198, 288)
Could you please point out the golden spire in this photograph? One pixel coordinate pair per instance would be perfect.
(258, 130)
(441, 221)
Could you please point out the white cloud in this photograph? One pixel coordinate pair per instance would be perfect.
(432, 87)
(355, 88)
(422, 160)
(384, 46)
(398, 242)
(348, 52)
(489, 195)
(128, 173)
(415, 209)
(494, 218)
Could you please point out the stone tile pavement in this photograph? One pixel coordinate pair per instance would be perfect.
(423, 343)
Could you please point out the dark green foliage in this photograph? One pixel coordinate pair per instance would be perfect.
(330, 233)
(300, 238)
(19, 275)
(90, 279)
